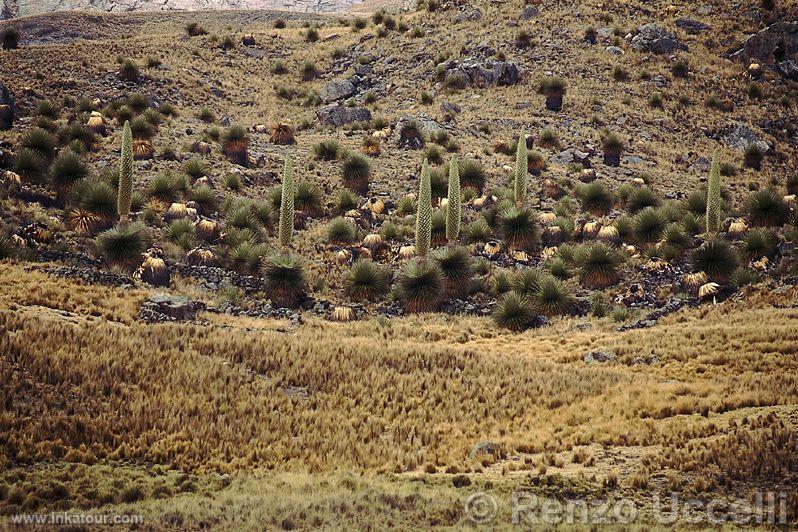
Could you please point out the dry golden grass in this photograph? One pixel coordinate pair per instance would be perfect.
(408, 396)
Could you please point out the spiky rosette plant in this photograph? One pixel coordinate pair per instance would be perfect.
(514, 312)
(527, 281)
(420, 286)
(453, 207)
(284, 280)
(521, 170)
(767, 208)
(235, 143)
(123, 245)
(367, 280)
(355, 172)
(424, 212)
(286, 226)
(598, 265)
(552, 297)
(125, 196)
(717, 258)
(519, 227)
(713, 196)
(456, 266)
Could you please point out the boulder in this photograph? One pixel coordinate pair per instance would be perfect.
(598, 356)
(776, 45)
(6, 109)
(337, 90)
(691, 26)
(482, 73)
(164, 307)
(530, 12)
(656, 39)
(338, 115)
(739, 136)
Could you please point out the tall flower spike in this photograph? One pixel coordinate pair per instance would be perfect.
(286, 228)
(521, 169)
(713, 196)
(125, 196)
(453, 207)
(424, 212)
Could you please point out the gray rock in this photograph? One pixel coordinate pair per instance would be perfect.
(338, 115)
(775, 45)
(614, 50)
(788, 69)
(486, 448)
(634, 159)
(691, 26)
(530, 12)
(337, 90)
(598, 356)
(468, 14)
(426, 125)
(482, 73)
(740, 136)
(165, 307)
(656, 39)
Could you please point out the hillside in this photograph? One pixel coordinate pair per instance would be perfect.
(25, 8)
(609, 317)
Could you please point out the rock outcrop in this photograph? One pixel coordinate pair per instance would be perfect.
(339, 115)
(656, 39)
(482, 73)
(776, 46)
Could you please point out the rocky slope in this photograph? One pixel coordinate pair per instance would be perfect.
(23, 8)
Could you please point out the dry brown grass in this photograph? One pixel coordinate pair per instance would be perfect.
(409, 395)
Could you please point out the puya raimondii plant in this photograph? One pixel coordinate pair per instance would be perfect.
(424, 212)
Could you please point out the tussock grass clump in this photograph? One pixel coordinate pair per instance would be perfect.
(30, 164)
(9, 38)
(195, 168)
(326, 150)
(420, 286)
(514, 312)
(164, 187)
(284, 279)
(552, 298)
(40, 140)
(355, 173)
(717, 258)
(760, 242)
(68, 168)
(527, 282)
(640, 198)
(596, 198)
(96, 196)
(7, 249)
(519, 227)
(124, 244)
(649, 224)
(598, 265)
(247, 255)
(235, 142)
(367, 281)
(456, 266)
(340, 230)
(345, 200)
(205, 198)
(767, 208)
(477, 231)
